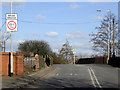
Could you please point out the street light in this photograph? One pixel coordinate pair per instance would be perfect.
(109, 13)
(99, 10)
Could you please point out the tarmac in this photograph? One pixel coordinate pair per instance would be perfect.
(22, 81)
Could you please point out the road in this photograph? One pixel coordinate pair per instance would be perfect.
(80, 76)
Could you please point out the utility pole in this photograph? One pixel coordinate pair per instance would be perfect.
(113, 36)
(4, 41)
(110, 37)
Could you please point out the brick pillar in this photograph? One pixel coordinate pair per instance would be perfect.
(19, 64)
(36, 62)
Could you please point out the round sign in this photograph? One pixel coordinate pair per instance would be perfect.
(11, 25)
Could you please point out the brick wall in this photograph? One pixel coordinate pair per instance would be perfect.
(17, 63)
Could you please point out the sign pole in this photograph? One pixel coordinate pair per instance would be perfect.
(11, 26)
(11, 74)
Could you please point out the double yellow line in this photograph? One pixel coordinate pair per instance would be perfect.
(94, 79)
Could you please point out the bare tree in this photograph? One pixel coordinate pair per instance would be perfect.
(66, 52)
(4, 37)
(100, 39)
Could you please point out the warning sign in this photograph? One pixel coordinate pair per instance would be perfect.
(11, 22)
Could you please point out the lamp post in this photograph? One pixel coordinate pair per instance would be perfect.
(109, 13)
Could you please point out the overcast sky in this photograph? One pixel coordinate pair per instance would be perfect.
(55, 22)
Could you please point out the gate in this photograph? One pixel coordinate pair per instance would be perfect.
(29, 64)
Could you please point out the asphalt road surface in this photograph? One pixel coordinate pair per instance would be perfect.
(80, 76)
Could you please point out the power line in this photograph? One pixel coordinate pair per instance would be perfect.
(55, 22)
(58, 23)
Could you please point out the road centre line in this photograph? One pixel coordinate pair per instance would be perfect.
(96, 78)
(57, 74)
(93, 76)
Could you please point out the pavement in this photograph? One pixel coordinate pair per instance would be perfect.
(22, 81)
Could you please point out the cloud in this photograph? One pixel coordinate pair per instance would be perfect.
(74, 6)
(93, 0)
(60, 0)
(99, 18)
(36, 34)
(14, 0)
(80, 48)
(52, 34)
(40, 17)
(77, 35)
(56, 46)
(102, 0)
(21, 41)
(81, 45)
(15, 45)
(15, 3)
(84, 49)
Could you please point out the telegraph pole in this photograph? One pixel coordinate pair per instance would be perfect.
(4, 41)
(113, 36)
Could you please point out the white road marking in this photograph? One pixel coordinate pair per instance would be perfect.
(32, 74)
(79, 65)
(96, 78)
(75, 74)
(57, 74)
(71, 74)
(91, 77)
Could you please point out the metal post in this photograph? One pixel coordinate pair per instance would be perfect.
(74, 55)
(11, 73)
(74, 58)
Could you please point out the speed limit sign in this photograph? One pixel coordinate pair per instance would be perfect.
(11, 22)
(11, 25)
